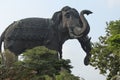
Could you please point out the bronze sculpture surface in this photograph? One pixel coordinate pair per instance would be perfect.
(52, 33)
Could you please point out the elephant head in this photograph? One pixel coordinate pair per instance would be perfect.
(70, 21)
(73, 25)
(83, 29)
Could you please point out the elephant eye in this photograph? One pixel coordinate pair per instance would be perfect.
(67, 15)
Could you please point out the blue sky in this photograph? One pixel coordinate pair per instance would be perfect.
(103, 11)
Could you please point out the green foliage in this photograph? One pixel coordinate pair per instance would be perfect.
(9, 58)
(116, 77)
(38, 63)
(41, 52)
(106, 52)
(65, 75)
(0, 60)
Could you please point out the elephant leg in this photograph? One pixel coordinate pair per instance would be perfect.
(60, 54)
(17, 47)
(60, 51)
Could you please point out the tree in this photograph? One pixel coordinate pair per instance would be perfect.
(39, 63)
(65, 75)
(106, 52)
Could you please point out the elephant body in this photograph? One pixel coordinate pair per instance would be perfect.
(52, 33)
(31, 32)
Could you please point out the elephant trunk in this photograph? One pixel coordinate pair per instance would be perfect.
(85, 28)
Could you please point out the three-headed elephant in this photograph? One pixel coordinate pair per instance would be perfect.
(52, 33)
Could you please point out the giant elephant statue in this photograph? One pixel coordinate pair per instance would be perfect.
(52, 33)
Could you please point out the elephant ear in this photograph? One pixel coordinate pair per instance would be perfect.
(57, 17)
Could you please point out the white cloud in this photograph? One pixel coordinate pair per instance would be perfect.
(113, 3)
